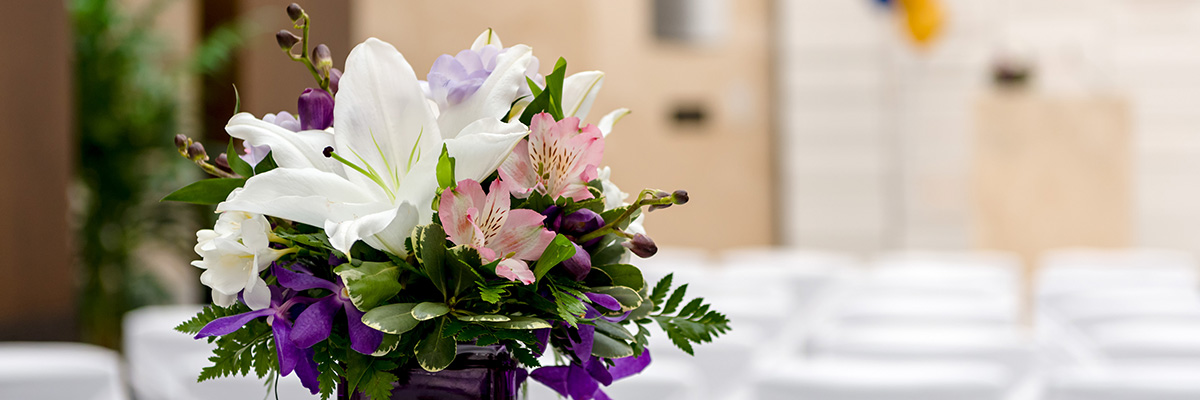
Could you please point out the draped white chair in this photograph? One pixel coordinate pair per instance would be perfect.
(1154, 380)
(60, 371)
(849, 379)
(926, 342)
(164, 364)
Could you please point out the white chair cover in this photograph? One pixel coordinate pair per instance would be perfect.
(845, 379)
(1162, 380)
(60, 371)
(917, 342)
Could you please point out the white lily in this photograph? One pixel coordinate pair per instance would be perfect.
(388, 140)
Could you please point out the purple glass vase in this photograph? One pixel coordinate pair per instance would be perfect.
(478, 373)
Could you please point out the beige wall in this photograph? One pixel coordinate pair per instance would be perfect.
(725, 165)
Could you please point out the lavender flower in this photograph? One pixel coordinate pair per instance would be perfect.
(454, 78)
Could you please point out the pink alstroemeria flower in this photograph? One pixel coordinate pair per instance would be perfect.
(558, 159)
(486, 223)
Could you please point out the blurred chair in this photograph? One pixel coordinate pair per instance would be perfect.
(1134, 381)
(664, 380)
(1130, 342)
(1073, 272)
(925, 342)
(865, 307)
(164, 364)
(848, 379)
(60, 371)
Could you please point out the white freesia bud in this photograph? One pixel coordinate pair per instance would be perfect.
(233, 254)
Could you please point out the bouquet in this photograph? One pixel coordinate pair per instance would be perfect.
(392, 219)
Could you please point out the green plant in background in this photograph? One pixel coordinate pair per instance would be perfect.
(127, 110)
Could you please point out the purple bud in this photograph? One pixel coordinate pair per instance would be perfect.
(286, 39)
(579, 265)
(335, 76)
(641, 245)
(580, 223)
(322, 58)
(316, 109)
(196, 152)
(551, 214)
(222, 162)
(294, 11)
(679, 197)
(181, 141)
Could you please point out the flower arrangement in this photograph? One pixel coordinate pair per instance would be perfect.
(392, 219)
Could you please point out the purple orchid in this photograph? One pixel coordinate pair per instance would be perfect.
(291, 357)
(454, 78)
(582, 380)
(316, 322)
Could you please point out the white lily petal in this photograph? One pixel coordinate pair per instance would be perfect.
(487, 37)
(383, 118)
(289, 149)
(579, 91)
(222, 299)
(483, 146)
(307, 196)
(610, 119)
(344, 230)
(391, 239)
(494, 98)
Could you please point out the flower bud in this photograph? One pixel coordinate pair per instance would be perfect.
(286, 39)
(641, 245)
(574, 225)
(196, 152)
(579, 265)
(316, 109)
(679, 197)
(222, 162)
(181, 142)
(294, 11)
(322, 58)
(335, 76)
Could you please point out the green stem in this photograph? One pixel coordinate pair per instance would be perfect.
(303, 57)
(645, 198)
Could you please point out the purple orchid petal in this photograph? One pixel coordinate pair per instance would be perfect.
(596, 368)
(583, 348)
(314, 324)
(255, 154)
(307, 371)
(226, 325)
(335, 76)
(298, 281)
(553, 377)
(288, 354)
(604, 300)
(543, 338)
(580, 384)
(628, 366)
(363, 338)
(316, 109)
(618, 318)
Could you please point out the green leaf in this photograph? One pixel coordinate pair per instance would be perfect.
(389, 343)
(392, 318)
(628, 298)
(550, 99)
(208, 191)
(369, 375)
(445, 170)
(691, 307)
(267, 164)
(459, 275)
(570, 308)
(430, 245)
(624, 275)
(613, 329)
(661, 290)
(435, 352)
(237, 164)
(484, 318)
(371, 283)
(559, 250)
(429, 310)
(492, 293)
(675, 299)
(521, 323)
(607, 347)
